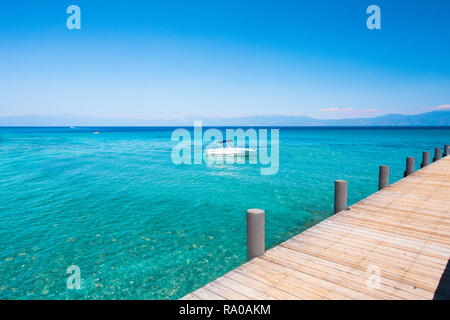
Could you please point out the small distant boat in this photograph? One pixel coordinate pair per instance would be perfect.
(229, 150)
(95, 132)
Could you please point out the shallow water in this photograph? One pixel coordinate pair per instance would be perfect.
(141, 227)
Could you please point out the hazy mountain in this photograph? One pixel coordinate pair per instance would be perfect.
(434, 118)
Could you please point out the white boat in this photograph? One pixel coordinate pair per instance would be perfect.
(229, 150)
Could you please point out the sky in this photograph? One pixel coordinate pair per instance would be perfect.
(174, 59)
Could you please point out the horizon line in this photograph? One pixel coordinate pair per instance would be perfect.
(189, 118)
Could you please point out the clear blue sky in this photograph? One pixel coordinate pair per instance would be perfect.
(166, 59)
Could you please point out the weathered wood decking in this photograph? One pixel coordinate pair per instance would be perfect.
(403, 231)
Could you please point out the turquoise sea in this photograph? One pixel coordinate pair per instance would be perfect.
(141, 227)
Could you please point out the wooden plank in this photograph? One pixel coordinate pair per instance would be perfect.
(270, 291)
(352, 278)
(297, 288)
(372, 250)
(403, 230)
(399, 240)
(225, 292)
(192, 296)
(205, 294)
(248, 291)
(385, 247)
(389, 269)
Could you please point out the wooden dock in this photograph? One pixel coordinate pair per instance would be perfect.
(399, 236)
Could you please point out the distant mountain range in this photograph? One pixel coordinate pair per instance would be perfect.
(434, 118)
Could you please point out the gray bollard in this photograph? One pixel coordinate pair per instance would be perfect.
(409, 166)
(340, 195)
(446, 150)
(437, 154)
(383, 179)
(425, 159)
(256, 234)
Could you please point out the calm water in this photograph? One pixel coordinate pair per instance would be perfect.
(141, 227)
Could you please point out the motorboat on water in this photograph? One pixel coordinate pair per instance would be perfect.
(226, 148)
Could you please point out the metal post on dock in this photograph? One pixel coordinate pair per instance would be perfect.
(437, 154)
(409, 166)
(340, 195)
(425, 159)
(256, 234)
(446, 150)
(383, 179)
